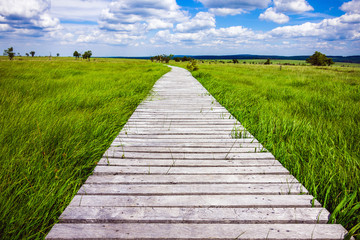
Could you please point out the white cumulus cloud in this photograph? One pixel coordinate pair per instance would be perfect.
(226, 11)
(351, 7)
(244, 4)
(153, 14)
(229, 37)
(4, 27)
(202, 20)
(233, 7)
(292, 6)
(23, 8)
(78, 10)
(28, 16)
(271, 15)
(344, 27)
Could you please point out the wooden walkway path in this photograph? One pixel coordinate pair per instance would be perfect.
(184, 168)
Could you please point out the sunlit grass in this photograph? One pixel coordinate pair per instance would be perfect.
(308, 117)
(57, 118)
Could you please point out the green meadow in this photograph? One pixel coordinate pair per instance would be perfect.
(308, 117)
(57, 118)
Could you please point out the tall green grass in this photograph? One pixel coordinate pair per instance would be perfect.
(308, 117)
(56, 119)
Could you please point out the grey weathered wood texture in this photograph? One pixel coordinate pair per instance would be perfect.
(184, 168)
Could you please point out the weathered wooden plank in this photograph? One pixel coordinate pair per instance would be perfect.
(187, 163)
(226, 134)
(194, 215)
(214, 156)
(191, 179)
(234, 149)
(177, 111)
(182, 140)
(184, 121)
(192, 189)
(175, 128)
(166, 126)
(188, 170)
(208, 116)
(178, 107)
(180, 123)
(171, 145)
(201, 201)
(124, 135)
(198, 231)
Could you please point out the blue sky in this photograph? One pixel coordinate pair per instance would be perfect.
(189, 27)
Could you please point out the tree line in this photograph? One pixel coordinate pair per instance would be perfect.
(85, 55)
(317, 59)
(11, 54)
(166, 58)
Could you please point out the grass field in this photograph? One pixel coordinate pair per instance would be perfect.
(273, 61)
(308, 117)
(57, 118)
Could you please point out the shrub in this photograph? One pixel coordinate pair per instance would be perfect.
(319, 59)
(192, 65)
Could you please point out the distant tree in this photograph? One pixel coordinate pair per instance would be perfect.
(235, 61)
(27, 54)
(76, 55)
(58, 54)
(185, 59)
(319, 59)
(268, 62)
(167, 58)
(87, 55)
(9, 52)
(177, 59)
(162, 58)
(32, 53)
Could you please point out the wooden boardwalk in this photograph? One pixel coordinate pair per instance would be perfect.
(184, 168)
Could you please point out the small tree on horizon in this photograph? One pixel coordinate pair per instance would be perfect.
(87, 55)
(268, 62)
(76, 55)
(32, 53)
(10, 53)
(319, 59)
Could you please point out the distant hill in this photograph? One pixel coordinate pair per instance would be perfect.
(348, 59)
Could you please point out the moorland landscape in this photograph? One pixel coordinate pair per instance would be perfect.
(73, 73)
(58, 116)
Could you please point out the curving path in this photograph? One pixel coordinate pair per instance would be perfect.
(184, 168)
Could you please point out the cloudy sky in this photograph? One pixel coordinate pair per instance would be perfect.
(190, 27)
